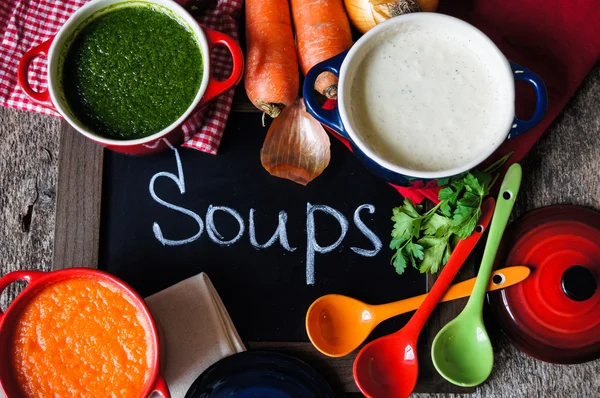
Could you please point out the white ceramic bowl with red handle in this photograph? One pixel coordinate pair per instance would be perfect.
(210, 88)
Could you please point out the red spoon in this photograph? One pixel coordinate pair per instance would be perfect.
(388, 366)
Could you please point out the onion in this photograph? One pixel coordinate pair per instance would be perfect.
(365, 14)
(296, 146)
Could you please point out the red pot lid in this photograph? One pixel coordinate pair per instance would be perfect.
(554, 315)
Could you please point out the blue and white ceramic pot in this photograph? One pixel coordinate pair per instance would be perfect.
(344, 65)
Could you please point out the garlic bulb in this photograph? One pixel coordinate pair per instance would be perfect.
(365, 14)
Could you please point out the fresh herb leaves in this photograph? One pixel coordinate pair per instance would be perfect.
(426, 240)
(409, 225)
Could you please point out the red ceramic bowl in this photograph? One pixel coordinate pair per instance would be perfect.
(37, 281)
(54, 48)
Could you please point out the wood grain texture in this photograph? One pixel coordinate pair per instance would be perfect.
(79, 194)
(564, 167)
(28, 174)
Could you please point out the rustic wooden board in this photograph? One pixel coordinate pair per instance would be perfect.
(28, 174)
(77, 230)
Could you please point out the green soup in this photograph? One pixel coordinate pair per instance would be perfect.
(131, 72)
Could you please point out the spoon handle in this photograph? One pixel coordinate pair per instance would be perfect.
(506, 200)
(508, 276)
(457, 259)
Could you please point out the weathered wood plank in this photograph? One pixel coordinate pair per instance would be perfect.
(79, 195)
(28, 173)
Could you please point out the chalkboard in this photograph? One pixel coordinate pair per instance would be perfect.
(236, 206)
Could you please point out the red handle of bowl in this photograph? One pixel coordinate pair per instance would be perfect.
(42, 97)
(215, 87)
(28, 276)
(161, 387)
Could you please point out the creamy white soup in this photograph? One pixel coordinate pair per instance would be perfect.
(424, 99)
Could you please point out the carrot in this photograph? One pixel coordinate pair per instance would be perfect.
(272, 78)
(322, 31)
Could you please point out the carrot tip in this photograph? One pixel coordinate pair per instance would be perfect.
(331, 91)
(270, 109)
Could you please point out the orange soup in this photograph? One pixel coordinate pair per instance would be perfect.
(81, 338)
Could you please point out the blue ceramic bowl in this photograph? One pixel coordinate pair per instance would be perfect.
(260, 374)
(344, 64)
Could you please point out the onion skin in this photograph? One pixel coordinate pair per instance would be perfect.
(365, 14)
(296, 146)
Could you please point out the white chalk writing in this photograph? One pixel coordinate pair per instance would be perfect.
(180, 181)
(377, 245)
(312, 246)
(280, 232)
(214, 235)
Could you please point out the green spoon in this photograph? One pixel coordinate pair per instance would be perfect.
(461, 351)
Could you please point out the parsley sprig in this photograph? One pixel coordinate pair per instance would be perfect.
(425, 240)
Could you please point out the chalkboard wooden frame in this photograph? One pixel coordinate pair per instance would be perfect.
(77, 242)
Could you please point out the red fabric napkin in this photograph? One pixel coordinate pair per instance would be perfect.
(24, 24)
(557, 39)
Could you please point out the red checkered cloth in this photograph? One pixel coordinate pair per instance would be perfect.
(25, 24)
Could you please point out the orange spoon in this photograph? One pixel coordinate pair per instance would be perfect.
(337, 324)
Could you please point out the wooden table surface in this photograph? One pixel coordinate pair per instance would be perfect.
(563, 168)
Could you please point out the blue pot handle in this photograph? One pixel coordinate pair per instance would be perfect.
(520, 126)
(330, 118)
